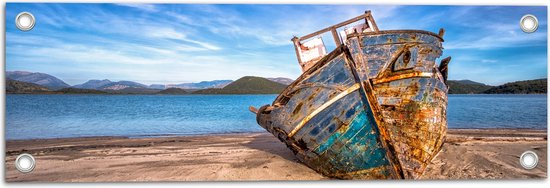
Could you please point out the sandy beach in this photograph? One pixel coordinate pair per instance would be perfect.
(467, 154)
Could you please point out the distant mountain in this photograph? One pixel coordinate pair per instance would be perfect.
(521, 87)
(157, 86)
(247, 85)
(201, 85)
(466, 87)
(133, 90)
(281, 80)
(42, 79)
(14, 86)
(120, 85)
(71, 90)
(41, 83)
(93, 84)
(173, 91)
(18, 87)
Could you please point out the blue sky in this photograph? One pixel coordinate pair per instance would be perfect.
(177, 43)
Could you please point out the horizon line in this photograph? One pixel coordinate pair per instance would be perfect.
(139, 82)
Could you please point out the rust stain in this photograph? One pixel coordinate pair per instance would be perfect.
(402, 76)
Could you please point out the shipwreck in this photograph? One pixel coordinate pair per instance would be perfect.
(373, 108)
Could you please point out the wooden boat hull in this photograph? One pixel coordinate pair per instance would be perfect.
(412, 96)
(361, 112)
(325, 119)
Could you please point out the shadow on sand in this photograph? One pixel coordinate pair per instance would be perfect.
(268, 143)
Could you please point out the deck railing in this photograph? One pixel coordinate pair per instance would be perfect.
(299, 48)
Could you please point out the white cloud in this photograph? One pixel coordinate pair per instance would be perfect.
(140, 6)
(489, 31)
(303, 23)
(170, 33)
(276, 25)
(204, 42)
(124, 60)
(497, 40)
(489, 61)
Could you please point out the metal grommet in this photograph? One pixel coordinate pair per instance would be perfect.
(529, 160)
(25, 163)
(529, 23)
(24, 21)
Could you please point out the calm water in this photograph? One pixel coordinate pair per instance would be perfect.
(497, 111)
(54, 116)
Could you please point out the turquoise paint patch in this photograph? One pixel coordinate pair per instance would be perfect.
(365, 142)
(354, 126)
(361, 147)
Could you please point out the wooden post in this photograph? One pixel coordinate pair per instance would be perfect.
(370, 19)
(336, 37)
(296, 42)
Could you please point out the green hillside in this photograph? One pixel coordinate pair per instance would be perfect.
(13, 86)
(173, 91)
(537, 86)
(247, 85)
(466, 87)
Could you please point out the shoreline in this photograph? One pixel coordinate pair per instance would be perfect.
(139, 136)
(504, 132)
(60, 93)
(109, 94)
(466, 154)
